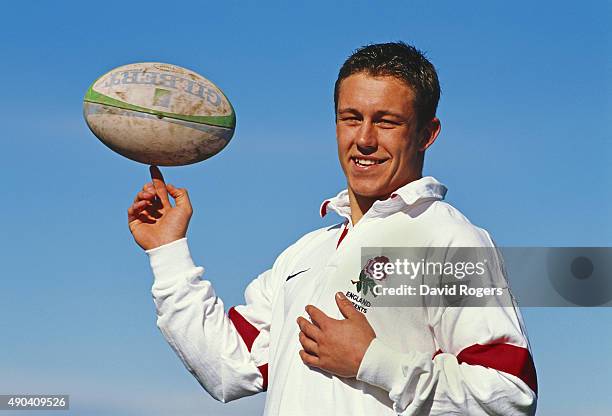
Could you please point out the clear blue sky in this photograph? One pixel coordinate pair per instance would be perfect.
(525, 150)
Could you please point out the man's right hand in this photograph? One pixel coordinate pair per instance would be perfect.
(153, 221)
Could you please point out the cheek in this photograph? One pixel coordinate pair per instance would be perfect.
(402, 144)
(342, 152)
(344, 141)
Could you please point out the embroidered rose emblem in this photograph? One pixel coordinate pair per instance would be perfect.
(372, 270)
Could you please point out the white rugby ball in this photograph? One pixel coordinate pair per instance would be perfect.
(159, 114)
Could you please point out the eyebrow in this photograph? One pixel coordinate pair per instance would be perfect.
(377, 114)
(347, 110)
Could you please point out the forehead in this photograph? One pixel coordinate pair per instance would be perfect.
(366, 92)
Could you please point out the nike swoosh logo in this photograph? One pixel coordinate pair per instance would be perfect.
(295, 274)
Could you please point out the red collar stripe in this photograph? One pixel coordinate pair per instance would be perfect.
(344, 233)
(324, 208)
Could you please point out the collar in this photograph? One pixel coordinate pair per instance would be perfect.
(427, 187)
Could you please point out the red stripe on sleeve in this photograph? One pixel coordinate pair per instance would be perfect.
(503, 357)
(247, 331)
(263, 369)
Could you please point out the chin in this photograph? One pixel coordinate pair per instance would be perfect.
(370, 191)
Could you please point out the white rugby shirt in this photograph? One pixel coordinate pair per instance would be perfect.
(469, 360)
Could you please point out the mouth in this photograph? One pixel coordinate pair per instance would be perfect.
(367, 162)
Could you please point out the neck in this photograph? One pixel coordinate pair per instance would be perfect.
(359, 205)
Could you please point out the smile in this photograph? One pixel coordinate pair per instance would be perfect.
(366, 162)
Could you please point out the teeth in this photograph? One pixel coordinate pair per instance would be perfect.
(365, 162)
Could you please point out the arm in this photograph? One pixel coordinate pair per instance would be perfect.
(483, 367)
(226, 353)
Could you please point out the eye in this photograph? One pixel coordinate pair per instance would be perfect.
(387, 123)
(350, 119)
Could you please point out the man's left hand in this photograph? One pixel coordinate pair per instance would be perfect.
(333, 345)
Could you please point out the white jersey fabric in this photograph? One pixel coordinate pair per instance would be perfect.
(423, 361)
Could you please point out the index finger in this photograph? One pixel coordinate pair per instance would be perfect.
(160, 185)
(156, 173)
(317, 316)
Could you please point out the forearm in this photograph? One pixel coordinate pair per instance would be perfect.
(193, 321)
(420, 385)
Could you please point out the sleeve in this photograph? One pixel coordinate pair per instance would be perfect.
(483, 365)
(488, 375)
(226, 352)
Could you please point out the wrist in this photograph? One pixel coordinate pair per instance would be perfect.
(160, 241)
(170, 260)
(361, 354)
(379, 366)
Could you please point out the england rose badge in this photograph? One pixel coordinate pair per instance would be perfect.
(373, 271)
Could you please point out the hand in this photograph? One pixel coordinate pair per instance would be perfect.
(336, 346)
(153, 221)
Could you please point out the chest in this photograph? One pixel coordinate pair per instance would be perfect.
(324, 267)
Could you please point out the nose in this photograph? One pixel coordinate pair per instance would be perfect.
(367, 142)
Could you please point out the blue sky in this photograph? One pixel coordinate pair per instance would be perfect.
(525, 150)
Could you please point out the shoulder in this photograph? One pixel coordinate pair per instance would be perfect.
(318, 239)
(450, 227)
(315, 237)
(314, 244)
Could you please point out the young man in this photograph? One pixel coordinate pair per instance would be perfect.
(298, 336)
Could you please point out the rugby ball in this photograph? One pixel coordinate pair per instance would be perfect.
(159, 114)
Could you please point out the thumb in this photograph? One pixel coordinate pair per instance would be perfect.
(346, 306)
(180, 195)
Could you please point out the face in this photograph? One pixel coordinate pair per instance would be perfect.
(379, 146)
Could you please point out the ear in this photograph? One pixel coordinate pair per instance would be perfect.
(429, 133)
